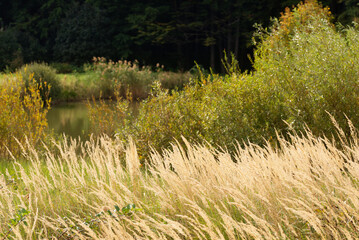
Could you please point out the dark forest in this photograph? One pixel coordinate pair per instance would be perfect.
(173, 33)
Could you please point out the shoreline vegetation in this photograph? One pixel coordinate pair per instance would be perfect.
(101, 79)
(267, 154)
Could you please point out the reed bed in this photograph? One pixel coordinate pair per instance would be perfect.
(305, 188)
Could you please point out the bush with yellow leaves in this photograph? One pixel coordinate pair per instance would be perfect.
(22, 115)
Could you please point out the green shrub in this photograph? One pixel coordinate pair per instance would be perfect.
(304, 70)
(44, 75)
(219, 111)
(311, 69)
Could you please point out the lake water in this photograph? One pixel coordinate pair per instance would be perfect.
(70, 118)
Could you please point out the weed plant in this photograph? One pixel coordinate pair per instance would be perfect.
(106, 116)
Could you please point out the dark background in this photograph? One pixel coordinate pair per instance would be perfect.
(170, 32)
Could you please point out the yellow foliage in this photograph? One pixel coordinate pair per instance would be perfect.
(22, 114)
(302, 15)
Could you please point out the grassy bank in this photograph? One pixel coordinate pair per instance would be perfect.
(102, 78)
(306, 190)
(79, 86)
(83, 86)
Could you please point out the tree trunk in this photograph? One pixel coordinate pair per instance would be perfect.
(236, 45)
(212, 47)
(179, 56)
(213, 57)
(229, 38)
(220, 50)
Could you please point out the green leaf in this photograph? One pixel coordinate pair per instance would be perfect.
(117, 208)
(109, 212)
(23, 211)
(128, 208)
(99, 214)
(13, 221)
(138, 209)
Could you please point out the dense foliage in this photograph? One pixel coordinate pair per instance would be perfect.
(305, 72)
(22, 116)
(174, 33)
(310, 69)
(82, 35)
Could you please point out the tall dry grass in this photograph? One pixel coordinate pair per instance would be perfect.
(305, 189)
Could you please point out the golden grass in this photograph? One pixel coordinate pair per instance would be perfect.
(306, 190)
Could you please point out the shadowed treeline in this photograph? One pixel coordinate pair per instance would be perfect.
(174, 33)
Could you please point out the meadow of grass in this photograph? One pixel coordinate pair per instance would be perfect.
(256, 171)
(79, 86)
(305, 189)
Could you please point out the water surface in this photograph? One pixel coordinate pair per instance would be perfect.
(70, 119)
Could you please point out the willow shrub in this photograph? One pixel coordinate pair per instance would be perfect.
(217, 111)
(305, 71)
(311, 68)
(22, 115)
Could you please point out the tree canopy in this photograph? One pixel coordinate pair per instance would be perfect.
(174, 33)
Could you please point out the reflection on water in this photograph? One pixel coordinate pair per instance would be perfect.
(70, 118)
(73, 120)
